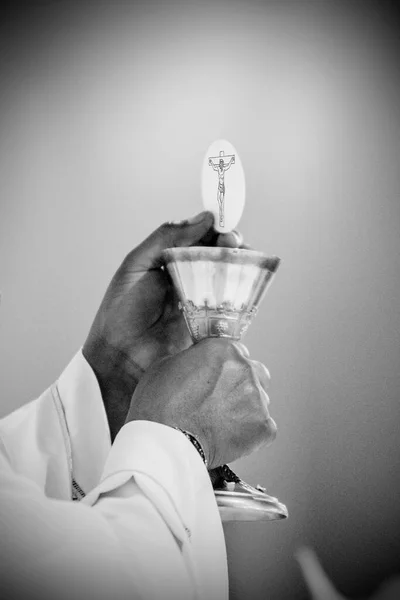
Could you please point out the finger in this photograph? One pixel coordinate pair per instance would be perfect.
(262, 374)
(169, 235)
(233, 239)
(266, 400)
(318, 583)
(272, 428)
(209, 239)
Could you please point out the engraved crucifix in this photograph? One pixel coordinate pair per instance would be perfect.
(218, 164)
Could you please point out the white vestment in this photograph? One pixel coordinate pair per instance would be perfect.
(145, 523)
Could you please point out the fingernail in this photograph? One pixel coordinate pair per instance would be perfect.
(242, 348)
(198, 218)
(233, 239)
(239, 236)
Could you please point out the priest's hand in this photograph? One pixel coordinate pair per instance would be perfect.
(138, 321)
(214, 391)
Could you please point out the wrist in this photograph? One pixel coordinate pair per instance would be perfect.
(117, 377)
(195, 443)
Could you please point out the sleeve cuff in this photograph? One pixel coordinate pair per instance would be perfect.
(165, 465)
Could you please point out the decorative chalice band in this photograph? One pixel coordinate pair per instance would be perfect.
(222, 321)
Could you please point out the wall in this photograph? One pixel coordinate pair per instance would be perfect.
(106, 112)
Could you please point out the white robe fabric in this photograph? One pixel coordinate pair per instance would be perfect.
(144, 523)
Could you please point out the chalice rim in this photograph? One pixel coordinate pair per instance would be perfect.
(242, 256)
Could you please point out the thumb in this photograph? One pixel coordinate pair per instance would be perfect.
(169, 235)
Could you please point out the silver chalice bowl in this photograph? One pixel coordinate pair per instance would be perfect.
(219, 292)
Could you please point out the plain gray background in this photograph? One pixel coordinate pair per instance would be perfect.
(106, 112)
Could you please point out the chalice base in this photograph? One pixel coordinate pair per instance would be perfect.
(239, 501)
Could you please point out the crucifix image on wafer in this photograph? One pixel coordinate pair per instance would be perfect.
(221, 164)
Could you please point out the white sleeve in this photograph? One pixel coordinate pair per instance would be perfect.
(149, 530)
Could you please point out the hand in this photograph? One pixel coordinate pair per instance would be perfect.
(138, 321)
(321, 588)
(214, 391)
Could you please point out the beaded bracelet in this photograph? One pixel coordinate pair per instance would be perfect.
(193, 439)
